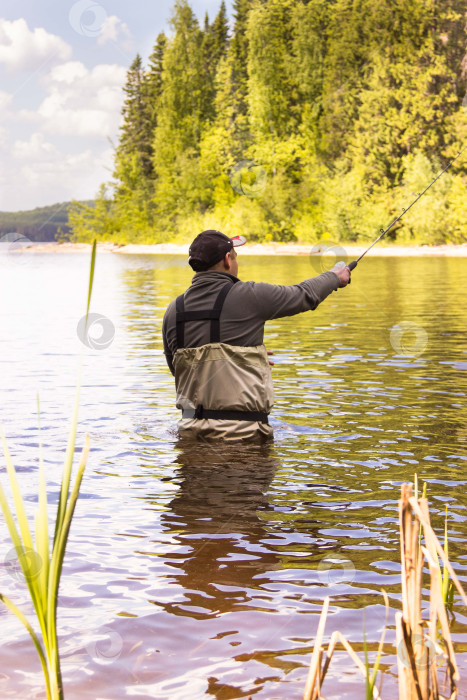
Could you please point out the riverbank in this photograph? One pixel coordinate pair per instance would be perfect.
(339, 250)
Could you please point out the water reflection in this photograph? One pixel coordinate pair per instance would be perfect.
(216, 518)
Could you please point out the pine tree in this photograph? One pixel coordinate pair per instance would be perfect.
(309, 24)
(220, 34)
(270, 90)
(133, 171)
(450, 41)
(183, 111)
(227, 140)
(153, 77)
(136, 131)
(182, 104)
(207, 44)
(214, 48)
(209, 67)
(239, 58)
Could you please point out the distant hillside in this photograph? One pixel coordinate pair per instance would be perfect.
(40, 224)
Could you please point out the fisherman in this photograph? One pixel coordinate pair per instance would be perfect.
(213, 340)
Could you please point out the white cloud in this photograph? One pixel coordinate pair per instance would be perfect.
(35, 173)
(81, 102)
(5, 101)
(59, 171)
(112, 29)
(37, 148)
(67, 72)
(57, 149)
(6, 111)
(23, 49)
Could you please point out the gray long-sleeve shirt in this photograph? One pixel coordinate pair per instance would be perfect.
(247, 307)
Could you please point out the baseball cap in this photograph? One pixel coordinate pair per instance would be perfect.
(209, 247)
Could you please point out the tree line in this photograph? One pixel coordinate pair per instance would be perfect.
(40, 224)
(300, 120)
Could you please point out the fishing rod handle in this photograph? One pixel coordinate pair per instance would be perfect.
(352, 265)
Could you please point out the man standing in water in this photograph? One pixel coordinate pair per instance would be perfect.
(213, 339)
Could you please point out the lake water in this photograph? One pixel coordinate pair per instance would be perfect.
(200, 570)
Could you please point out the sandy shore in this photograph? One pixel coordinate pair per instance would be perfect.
(253, 249)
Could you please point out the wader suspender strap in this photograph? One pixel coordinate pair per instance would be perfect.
(213, 315)
(204, 315)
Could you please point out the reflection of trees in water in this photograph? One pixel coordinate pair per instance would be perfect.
(216, 518)
(149, 283)
(148, 290)
(140, 287)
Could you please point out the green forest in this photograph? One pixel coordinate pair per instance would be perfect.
(40, 224)
(295, 120)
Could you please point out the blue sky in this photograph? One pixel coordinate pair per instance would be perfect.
(62, 68)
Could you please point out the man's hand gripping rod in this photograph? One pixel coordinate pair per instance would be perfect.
(352, 265)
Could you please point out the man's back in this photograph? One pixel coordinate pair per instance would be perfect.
(247, 307)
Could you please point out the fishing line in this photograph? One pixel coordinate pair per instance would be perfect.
(352, 265)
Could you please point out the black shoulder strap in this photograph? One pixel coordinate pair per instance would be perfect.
(218, 304)
(213, 315)
(180, 311)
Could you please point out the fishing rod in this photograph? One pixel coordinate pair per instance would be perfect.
(352, 265)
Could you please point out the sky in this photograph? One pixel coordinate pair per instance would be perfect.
(63, 64)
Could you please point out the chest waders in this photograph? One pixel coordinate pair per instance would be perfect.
(220, 381)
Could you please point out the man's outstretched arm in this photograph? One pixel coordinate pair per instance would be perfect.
(276, 300)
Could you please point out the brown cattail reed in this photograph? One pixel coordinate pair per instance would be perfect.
(422, 645)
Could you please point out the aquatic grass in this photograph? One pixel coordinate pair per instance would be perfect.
(370, 679)
(415, 481)
(40, 559)
(422, 645)
(447, 585)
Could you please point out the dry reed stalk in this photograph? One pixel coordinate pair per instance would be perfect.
(313, 687)
(418, 679)
(418, 648)
(413, 676)
(318, 670)
(431, 537)
(315, 664)
(438, 613)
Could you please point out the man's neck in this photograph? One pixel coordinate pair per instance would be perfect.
(215, 272)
